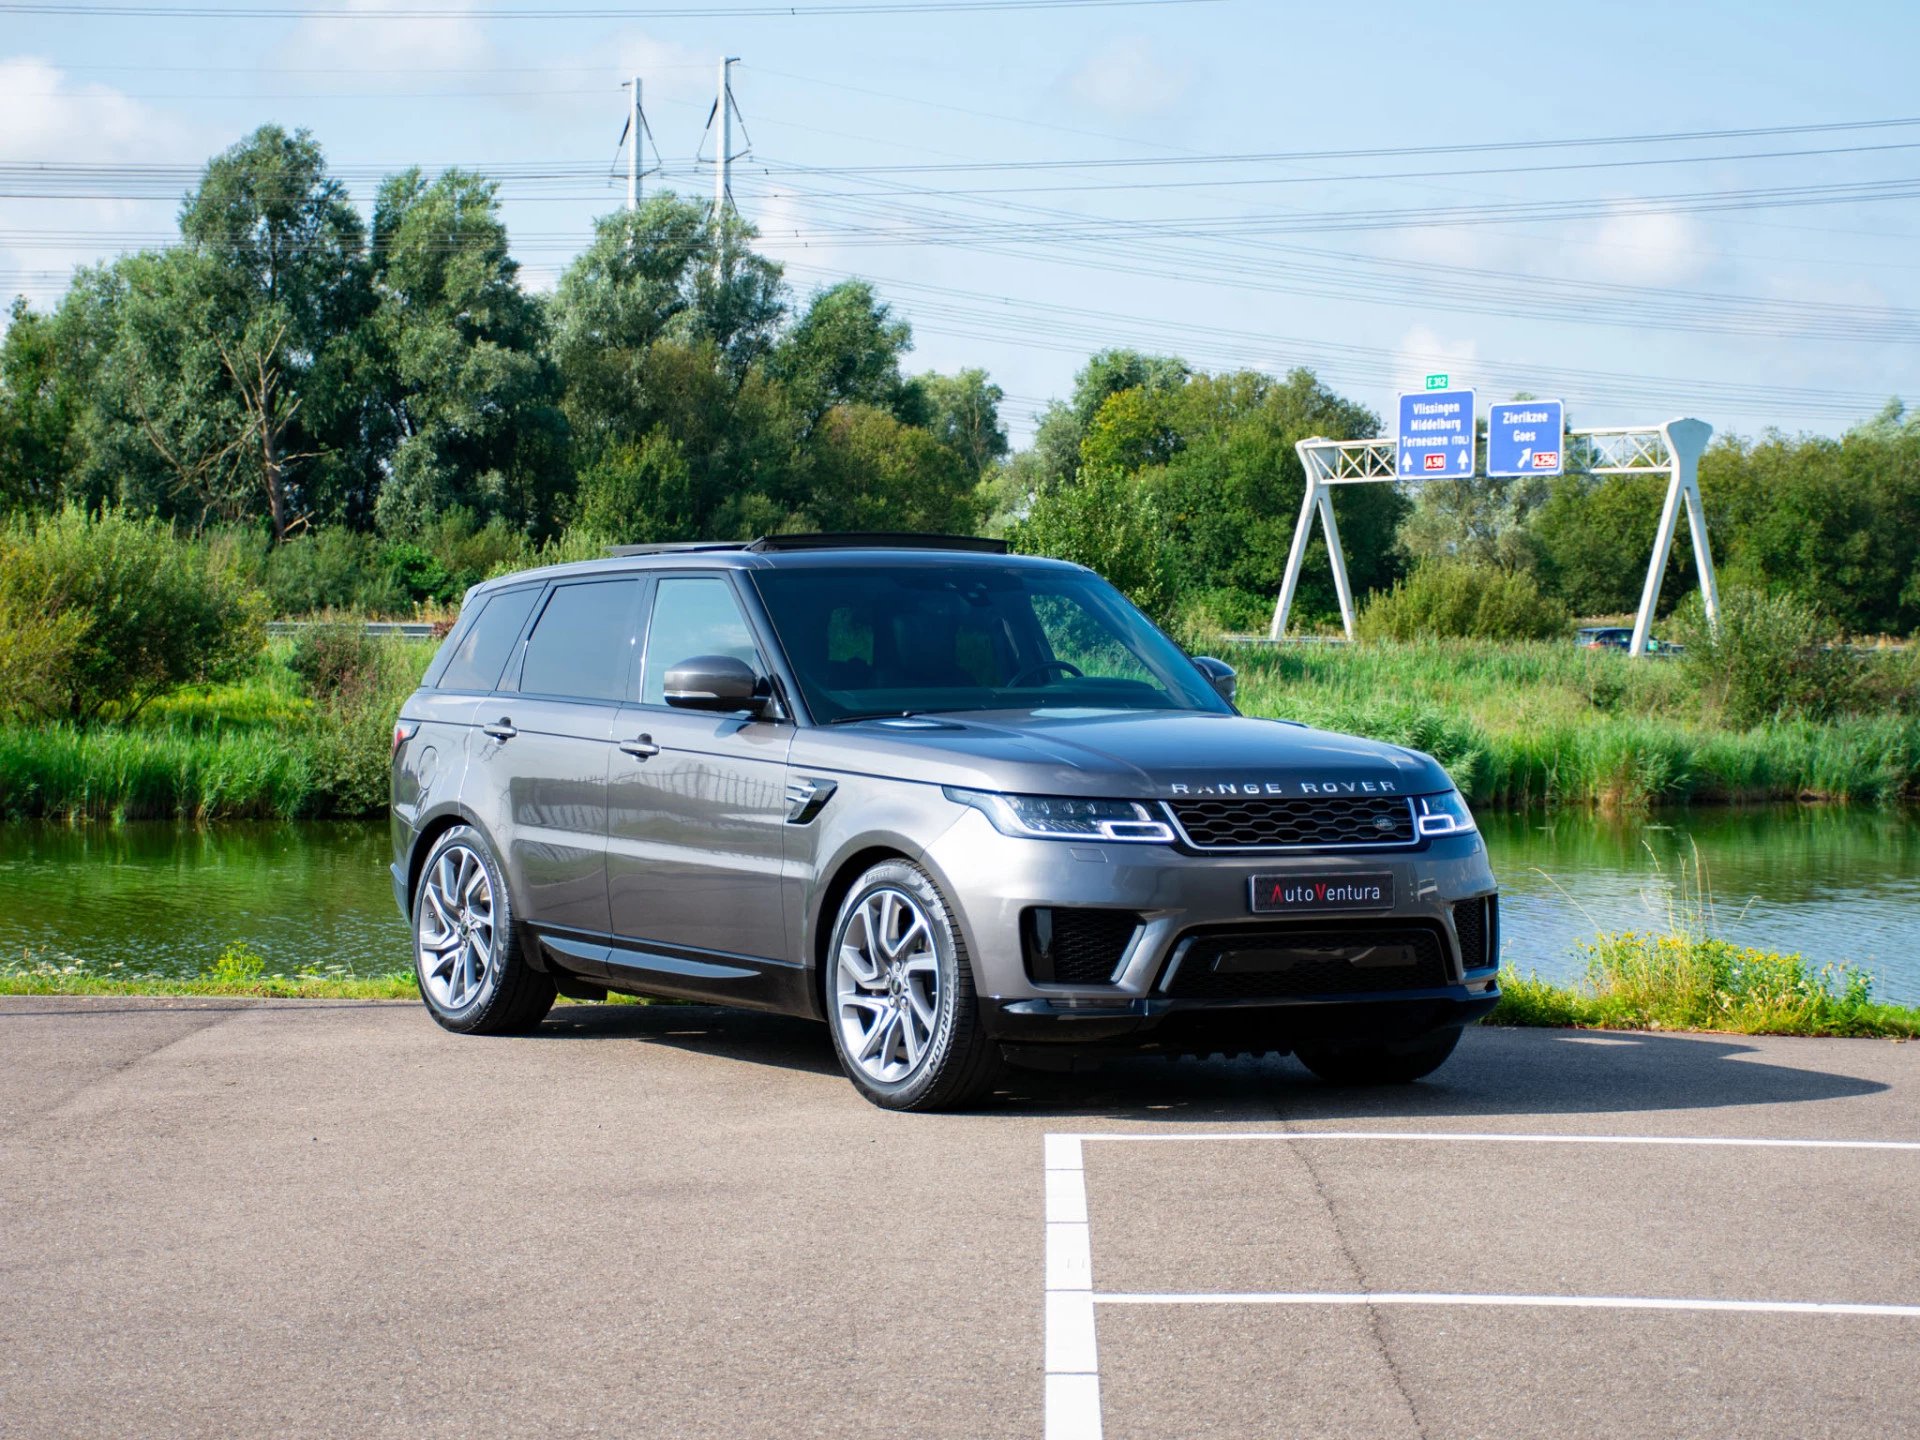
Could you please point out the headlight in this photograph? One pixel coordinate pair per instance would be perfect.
(1046, 817)
(1444, 814)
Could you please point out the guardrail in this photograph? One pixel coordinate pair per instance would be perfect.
(407, 629)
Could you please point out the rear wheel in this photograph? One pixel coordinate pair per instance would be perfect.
(1396, 1064)
(900, 996)
(466, 945)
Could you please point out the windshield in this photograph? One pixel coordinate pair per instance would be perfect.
(892, 640)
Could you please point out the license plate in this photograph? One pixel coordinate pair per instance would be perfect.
(1317, 894)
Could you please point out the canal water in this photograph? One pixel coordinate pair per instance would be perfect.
(163, 900)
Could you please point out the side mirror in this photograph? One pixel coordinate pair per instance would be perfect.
(715, 682)
(1220, 675)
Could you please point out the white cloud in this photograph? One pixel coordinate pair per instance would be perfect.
(368, 39)
(46, 116)
(1126, 79)
(1423, 351)
(1643, 247)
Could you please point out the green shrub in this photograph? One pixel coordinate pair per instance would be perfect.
(1769, 656)
(1453, 599)
(334, 657)
(147, 610)
(331, 569)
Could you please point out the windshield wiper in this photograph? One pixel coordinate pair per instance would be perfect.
(873, 715)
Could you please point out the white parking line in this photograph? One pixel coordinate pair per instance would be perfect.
(1072, 1356)
(1560, 1302)
(1491, 1137)
(1072, 1362)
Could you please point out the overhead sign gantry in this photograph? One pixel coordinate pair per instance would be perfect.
(1517, 445)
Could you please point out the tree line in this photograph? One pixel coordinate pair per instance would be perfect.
(387, 413)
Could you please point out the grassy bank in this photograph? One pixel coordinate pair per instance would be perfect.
(1680, 981)
(289, 740)
(385, 987)
(1542, 724)
(1518, 725)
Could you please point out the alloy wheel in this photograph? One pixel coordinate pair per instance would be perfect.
(887, 989)
(455, 940)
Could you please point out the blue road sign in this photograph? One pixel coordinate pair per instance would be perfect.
(1524, 438)
(1436, 435)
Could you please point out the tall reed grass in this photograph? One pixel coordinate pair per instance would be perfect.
(1522, 725)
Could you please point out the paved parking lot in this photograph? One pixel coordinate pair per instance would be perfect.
(223, 1218)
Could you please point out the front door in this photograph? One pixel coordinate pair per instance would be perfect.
(697, 811)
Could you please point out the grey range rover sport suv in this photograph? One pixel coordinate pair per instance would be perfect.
(961, 805)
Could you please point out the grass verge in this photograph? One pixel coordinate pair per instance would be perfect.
(268, 987)
(1677, 981)
(1538, 724)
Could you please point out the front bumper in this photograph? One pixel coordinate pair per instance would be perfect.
(1206, 1027)
(992, 879)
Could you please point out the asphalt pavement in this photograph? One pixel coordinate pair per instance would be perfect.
(310, 1218)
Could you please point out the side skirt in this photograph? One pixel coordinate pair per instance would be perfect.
(676, 972)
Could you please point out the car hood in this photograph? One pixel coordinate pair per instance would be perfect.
(1118, 754)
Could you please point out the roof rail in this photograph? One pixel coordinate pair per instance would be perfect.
(878, 540)
(845, 540)
(678, 547)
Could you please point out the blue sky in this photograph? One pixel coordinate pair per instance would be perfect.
(1804, 317)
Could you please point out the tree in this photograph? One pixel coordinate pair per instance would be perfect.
(469, 400)
(1057, 442)
(845, 349)
(871, 471)
(963, 412)
(39, 409)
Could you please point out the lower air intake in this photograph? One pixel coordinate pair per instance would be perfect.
(1281, 963)
(1075, 946)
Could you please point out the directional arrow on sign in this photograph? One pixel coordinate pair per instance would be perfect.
(1465, 462)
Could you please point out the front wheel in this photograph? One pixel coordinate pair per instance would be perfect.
(900, 996)
(1399, 1064)
(466, 944)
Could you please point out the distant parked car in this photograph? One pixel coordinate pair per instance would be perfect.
(1619, 637)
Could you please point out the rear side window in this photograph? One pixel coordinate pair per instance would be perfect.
(480, 650)
(582, 644)
(693, 615)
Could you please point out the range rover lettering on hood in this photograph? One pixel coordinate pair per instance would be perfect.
(1290, 787)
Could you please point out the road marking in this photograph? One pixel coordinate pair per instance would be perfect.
(1072, 1355)
(1072, 1360)
(1557, 1302)
(1489, 1137)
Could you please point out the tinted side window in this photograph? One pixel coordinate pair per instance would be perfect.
(481, 653)
(693, 616)
(582, 644)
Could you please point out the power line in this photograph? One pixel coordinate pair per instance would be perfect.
(651, 12)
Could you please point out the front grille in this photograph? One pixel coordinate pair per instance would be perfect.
(1261, 822)
(1477, 924)
(1283, 963)
(1074, 946)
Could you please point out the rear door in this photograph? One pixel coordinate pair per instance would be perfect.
(539, 767)
(697, 809)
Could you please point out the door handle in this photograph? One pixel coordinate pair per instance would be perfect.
(640, 745)
(501, 729)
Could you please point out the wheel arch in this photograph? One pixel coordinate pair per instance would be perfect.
(849, 869)
(429, 835)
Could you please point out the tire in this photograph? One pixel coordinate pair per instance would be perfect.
(467, 957)
(1398, 1064)
(903, 1012)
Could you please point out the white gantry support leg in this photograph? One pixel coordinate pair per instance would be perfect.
(1327, 463)
(1338, 559)
(1686, 441)
(1302, 533)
